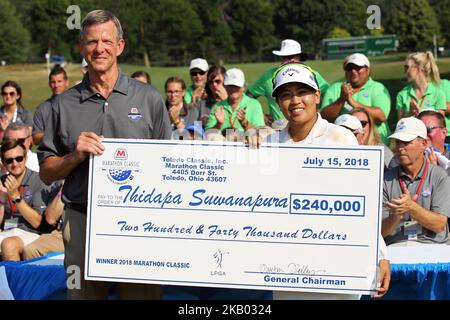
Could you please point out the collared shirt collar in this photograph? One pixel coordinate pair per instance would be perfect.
(427, 92)
(87, 92)
(403, 174)
(319, 129)
(241, 104)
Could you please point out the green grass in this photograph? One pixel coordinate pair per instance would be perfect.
(388, 69)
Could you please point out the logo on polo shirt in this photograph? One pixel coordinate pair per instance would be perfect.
(134, 114)
(28, 196)
(366, 94)
(121, 168)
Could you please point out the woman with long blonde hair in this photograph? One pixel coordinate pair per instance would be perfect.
(423, 91)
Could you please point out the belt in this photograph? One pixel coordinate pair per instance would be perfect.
(80, 207)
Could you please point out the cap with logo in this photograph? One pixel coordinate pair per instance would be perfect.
(350, 122)
(293, 73)
(408, 129)
(288, 48)
(199, 63)
(234, 77)
(357, 59)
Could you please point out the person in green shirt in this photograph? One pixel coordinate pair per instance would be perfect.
(238, 111)
(358, 91)
(197, 70)
(290, 52)
(423, 91)
(445, 86)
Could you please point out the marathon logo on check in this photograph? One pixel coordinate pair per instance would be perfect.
(134, 114)
(121, 154)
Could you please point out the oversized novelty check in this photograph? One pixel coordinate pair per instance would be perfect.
(282, 217)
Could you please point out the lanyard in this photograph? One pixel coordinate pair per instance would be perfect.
(421, 102)
(419, 188)
(13, 205)
(229, 119)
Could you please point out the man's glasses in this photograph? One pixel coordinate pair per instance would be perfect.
(174, 93)
(18, 159)
(11, 93)
(429, 129)
(350, 67)
(364, 123)
(195, 73)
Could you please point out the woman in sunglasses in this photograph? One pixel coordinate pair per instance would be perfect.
(197, 70)
(371, 137)
(12, 110)
(423, 91)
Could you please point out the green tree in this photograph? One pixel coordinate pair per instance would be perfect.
(442, 10)
(216, 41)
(15, 39)
(415, 22)
(251, 26)
(338, 32)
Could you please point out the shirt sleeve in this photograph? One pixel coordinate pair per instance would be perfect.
(212, 121)
(255, 115)
(38, 120)
(382, 99)
(260, 87)
(440, 100)
(440, 201)
(161, 121)
(52, 144)
(331, 95)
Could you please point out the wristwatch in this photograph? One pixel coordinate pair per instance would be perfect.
(17, 200)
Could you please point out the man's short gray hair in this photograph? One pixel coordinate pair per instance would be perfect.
(97, 17)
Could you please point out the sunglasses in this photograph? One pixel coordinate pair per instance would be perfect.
(350, 67)
(195, 73)
(18, 159)
(364, 123)
(429, 129)
(11, 93)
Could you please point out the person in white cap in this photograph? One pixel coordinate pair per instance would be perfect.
(415, 193)
(238, 111)
(358, 91)
(197, 70)
(289, 52)
(297, 93)
(353, 124)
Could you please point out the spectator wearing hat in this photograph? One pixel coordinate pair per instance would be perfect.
(290, 51)
(197, 70)
(297, 93)
(415, 193)
(238, 111)
(353, 124)
(371, 137)
(423, 91)
(58, 83)
(358, 91)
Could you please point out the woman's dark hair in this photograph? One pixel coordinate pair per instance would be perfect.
(212, 73)
(16, 86)
(144, 74)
